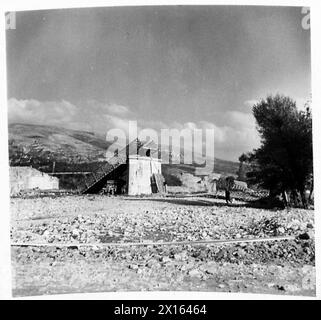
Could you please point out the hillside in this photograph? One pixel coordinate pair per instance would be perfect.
(74, 150)
(58, 144)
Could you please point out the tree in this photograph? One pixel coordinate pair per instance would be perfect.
(284, 160)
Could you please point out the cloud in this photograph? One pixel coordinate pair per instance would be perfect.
(118, 109)
(92, 116)
(250, 103)
(238, 135)
(237, 119)
(33, 111)
(116, 122)
(301, 102)
(220, 135)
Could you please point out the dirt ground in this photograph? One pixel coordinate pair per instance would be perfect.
(278, 267)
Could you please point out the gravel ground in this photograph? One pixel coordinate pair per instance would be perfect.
(279, 267)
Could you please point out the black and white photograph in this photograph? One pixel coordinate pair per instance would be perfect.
(160, 148)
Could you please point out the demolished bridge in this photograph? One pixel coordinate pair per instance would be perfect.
(134, 170)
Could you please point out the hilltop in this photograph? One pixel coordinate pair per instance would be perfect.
(75, 150)
(57, 143)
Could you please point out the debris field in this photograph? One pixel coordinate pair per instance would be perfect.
(275, 267)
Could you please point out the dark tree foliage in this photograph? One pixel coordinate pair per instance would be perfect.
(284, 162)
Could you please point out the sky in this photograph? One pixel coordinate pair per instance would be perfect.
(166, 67)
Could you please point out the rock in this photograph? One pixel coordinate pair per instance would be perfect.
(178, 256)
(46, 233)
(291, 288)
(150, 263)
(292, 226)
(182, 268)
(211, 269)
(165, 259)
(281, 230)
(75, 233)
(91, 239)
(181, 256)
(140, 271)
(304, 236)
(310, 226)
(194, 273)
(280, 288)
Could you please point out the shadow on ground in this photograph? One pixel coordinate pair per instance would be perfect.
(259, 203)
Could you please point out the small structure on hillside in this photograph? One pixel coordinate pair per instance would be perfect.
(135, 170)
(215, 181)
(210, 181)
(28, 178)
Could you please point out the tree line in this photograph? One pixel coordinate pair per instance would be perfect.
(283, 164)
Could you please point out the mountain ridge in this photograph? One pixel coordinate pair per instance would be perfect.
(49, 144)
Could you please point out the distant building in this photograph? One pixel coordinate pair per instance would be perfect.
(28, 178)
(210, 180)
(216, 181)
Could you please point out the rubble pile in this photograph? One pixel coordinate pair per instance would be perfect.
(179, 224)
(277, 252)
(275, 266)
(38, 193)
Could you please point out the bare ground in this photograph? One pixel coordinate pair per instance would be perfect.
(279, 267)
